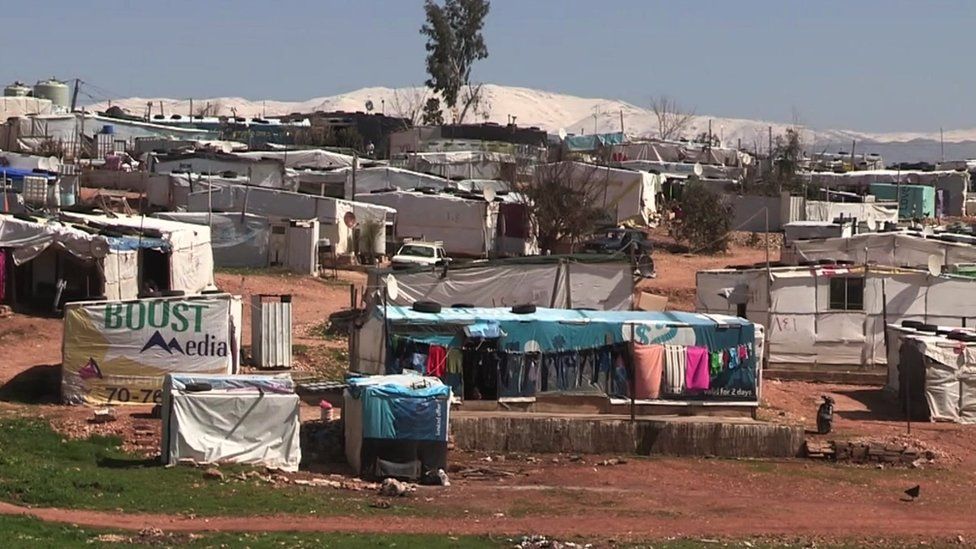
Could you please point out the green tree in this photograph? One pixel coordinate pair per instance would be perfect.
(704, 220)
(454, 43)
(432, 115)
(565, 202)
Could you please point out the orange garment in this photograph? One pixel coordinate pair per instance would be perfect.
(648, 370)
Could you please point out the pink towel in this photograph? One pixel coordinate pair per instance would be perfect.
(696, 374)
(648, 370)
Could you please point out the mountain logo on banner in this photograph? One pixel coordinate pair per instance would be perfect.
(90, 370)
(157, 340)
(208, 346)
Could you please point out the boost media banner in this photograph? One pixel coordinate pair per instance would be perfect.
(118, 352)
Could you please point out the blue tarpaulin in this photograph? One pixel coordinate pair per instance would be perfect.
(397, 412)
(555, 330)
(592, 142)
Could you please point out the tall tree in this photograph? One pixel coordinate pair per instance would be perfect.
(454, 43)
(672, 120)
(432, 115)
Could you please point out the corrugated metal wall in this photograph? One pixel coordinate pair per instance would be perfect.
(271, 331)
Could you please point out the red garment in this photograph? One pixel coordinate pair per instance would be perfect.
(436, 361)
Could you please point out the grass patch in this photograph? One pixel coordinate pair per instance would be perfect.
(248, 271)
(38, 467)
(26, 532)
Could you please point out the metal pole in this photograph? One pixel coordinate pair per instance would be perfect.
(633, 376)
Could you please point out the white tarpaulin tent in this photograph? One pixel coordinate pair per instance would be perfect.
(890, 248)
(387, 177)
(238, 419)
(865, 212)
(330, 212)
(830, 315)
(238, 240)
(190, 253)
(604, 286)
(954, 184)
(303, 158)
(466, 227)
(933, 373)
(628, 195)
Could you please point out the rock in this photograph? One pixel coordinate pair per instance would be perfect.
(393, 488)
(102, 415)
(213, 473)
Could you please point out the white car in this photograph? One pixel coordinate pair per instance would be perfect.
(420, 254)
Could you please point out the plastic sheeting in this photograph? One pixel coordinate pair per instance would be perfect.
(237, 240)
(254, 422)
(593, 142)
(892, 248)
(602, 286)
(303, 158)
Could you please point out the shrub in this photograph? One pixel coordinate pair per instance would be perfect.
(704, 219)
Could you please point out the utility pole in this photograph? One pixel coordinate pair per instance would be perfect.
(621, 121)
(942, 142)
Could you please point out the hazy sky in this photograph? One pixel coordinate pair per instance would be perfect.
(867, 65)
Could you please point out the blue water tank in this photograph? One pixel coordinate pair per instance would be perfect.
(108, 129)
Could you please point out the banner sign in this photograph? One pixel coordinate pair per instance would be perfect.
(119, 352)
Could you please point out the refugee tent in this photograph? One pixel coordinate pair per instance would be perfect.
(462, 164)
(914, 201)
(667, 151)
(833, 316)
(933, 371)
(502, 353)
(302, 158)
(118, 352)
(381, 178)
(334, 214)
(582, 281)
(238, 240)
(628, 195)
(902, 248)
(866, 213)
(261, 172)
(175, 256)
(238, 419)
(952, 185)
(467, 226)
(396, 426)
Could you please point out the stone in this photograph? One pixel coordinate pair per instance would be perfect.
(213, 473)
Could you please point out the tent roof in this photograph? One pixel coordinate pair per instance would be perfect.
(450, 315)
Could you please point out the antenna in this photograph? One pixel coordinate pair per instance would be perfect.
(935, 265)
(562, 133)
(872, 224)
(698, 169)
(369, 105)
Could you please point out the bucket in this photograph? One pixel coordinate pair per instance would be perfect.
(328, 413)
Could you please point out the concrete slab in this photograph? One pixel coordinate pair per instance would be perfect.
(616, 434)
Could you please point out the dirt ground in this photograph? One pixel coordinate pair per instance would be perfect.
(566, 496)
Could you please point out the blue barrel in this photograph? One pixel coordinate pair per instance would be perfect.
(108, 129)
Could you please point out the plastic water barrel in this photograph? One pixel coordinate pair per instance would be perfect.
(108, 129)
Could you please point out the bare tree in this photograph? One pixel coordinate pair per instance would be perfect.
(565, 202)
(472, 100)
(409, 103)
(672, 120)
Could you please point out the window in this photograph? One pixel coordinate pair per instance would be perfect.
(847, 293)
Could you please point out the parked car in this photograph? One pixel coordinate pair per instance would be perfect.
(632, 242)
(415, 253)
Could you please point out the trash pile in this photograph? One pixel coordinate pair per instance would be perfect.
(883, 453)
(542, 542)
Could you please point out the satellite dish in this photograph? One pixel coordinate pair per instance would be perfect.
(532, 346)
(392, 288)
(927, 231)
(698, 169)
(562, 133)
(935, 265)
(872, 224)
(489, 194)
(349, 219)
(98, 248)
(369, 105)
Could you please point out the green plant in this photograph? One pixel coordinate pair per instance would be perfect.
(704, 219)
(454, 43)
